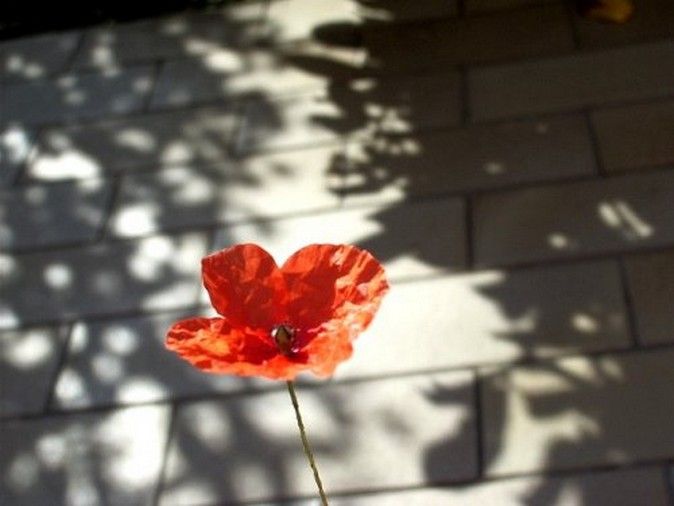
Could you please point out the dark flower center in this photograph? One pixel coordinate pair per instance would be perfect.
(283, 336)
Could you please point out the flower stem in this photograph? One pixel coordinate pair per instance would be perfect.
(305, 443)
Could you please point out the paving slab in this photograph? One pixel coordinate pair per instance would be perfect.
(619, 488)
(29, 360)
(186, 34)
(265, 186)
(155, 273)
(651, 282)
(652, 19)
(147, 141)
(526, 33)
(76, 97)
(15, 145)
(571, 413)
(124, 361)
(37, 57)
(493, 316)
(572, 82)
(232, 450)
(49, 215)
(635, 137)
(411, 240)
(93, 459)
(476, 158)
(574, 219)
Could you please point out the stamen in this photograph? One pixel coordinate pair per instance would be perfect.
(283, 335)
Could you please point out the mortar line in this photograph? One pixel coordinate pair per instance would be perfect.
(595, 144)
(479, 424)
(66, 331)
(630, 310)
(163, 468)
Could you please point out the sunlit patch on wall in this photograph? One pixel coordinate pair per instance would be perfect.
(620, 216)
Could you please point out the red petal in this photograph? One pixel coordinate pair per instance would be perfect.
(340, 284)
(331, 346)
(245, 285)
(213, 345)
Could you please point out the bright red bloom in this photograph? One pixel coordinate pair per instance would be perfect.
(279, 322)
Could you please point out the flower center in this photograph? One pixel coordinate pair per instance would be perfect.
(283, 336)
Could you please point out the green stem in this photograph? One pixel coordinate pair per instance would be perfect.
(305, 443)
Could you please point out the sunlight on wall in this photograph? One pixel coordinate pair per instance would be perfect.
(26, 350)
(72, 386)
(120, 339)
(134, 220)
(8, 270)
(140, 389)
(620, 216)
(14, 144)
(107, 368)
(585, 323)
(136, 139)
(561, 241)
(65, 164)
(58, 276)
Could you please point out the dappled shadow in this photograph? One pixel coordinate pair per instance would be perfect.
(409, 138)
(247, 132)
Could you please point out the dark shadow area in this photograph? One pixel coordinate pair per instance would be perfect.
(21, 18)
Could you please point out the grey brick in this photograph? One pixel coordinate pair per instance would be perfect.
(633, 487)
(156, 273)
(413, 239)
(47, 215)
(187, 34)
(572, 82)
(579, 412)
(74, 96)
(142, 142)
(467, 159)
(354, 429)
(37, 57)
(538, 31)
(110, 458)
(635, 137)
(493, 316)
(652, 19)
(259, 187)
(28, 360)
(601, 216)
(651, 281)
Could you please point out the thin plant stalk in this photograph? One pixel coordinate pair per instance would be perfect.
(305, 443)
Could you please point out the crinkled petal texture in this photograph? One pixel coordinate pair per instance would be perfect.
(328, 294)
(245, 285)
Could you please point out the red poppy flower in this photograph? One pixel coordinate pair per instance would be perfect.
(276, 321)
